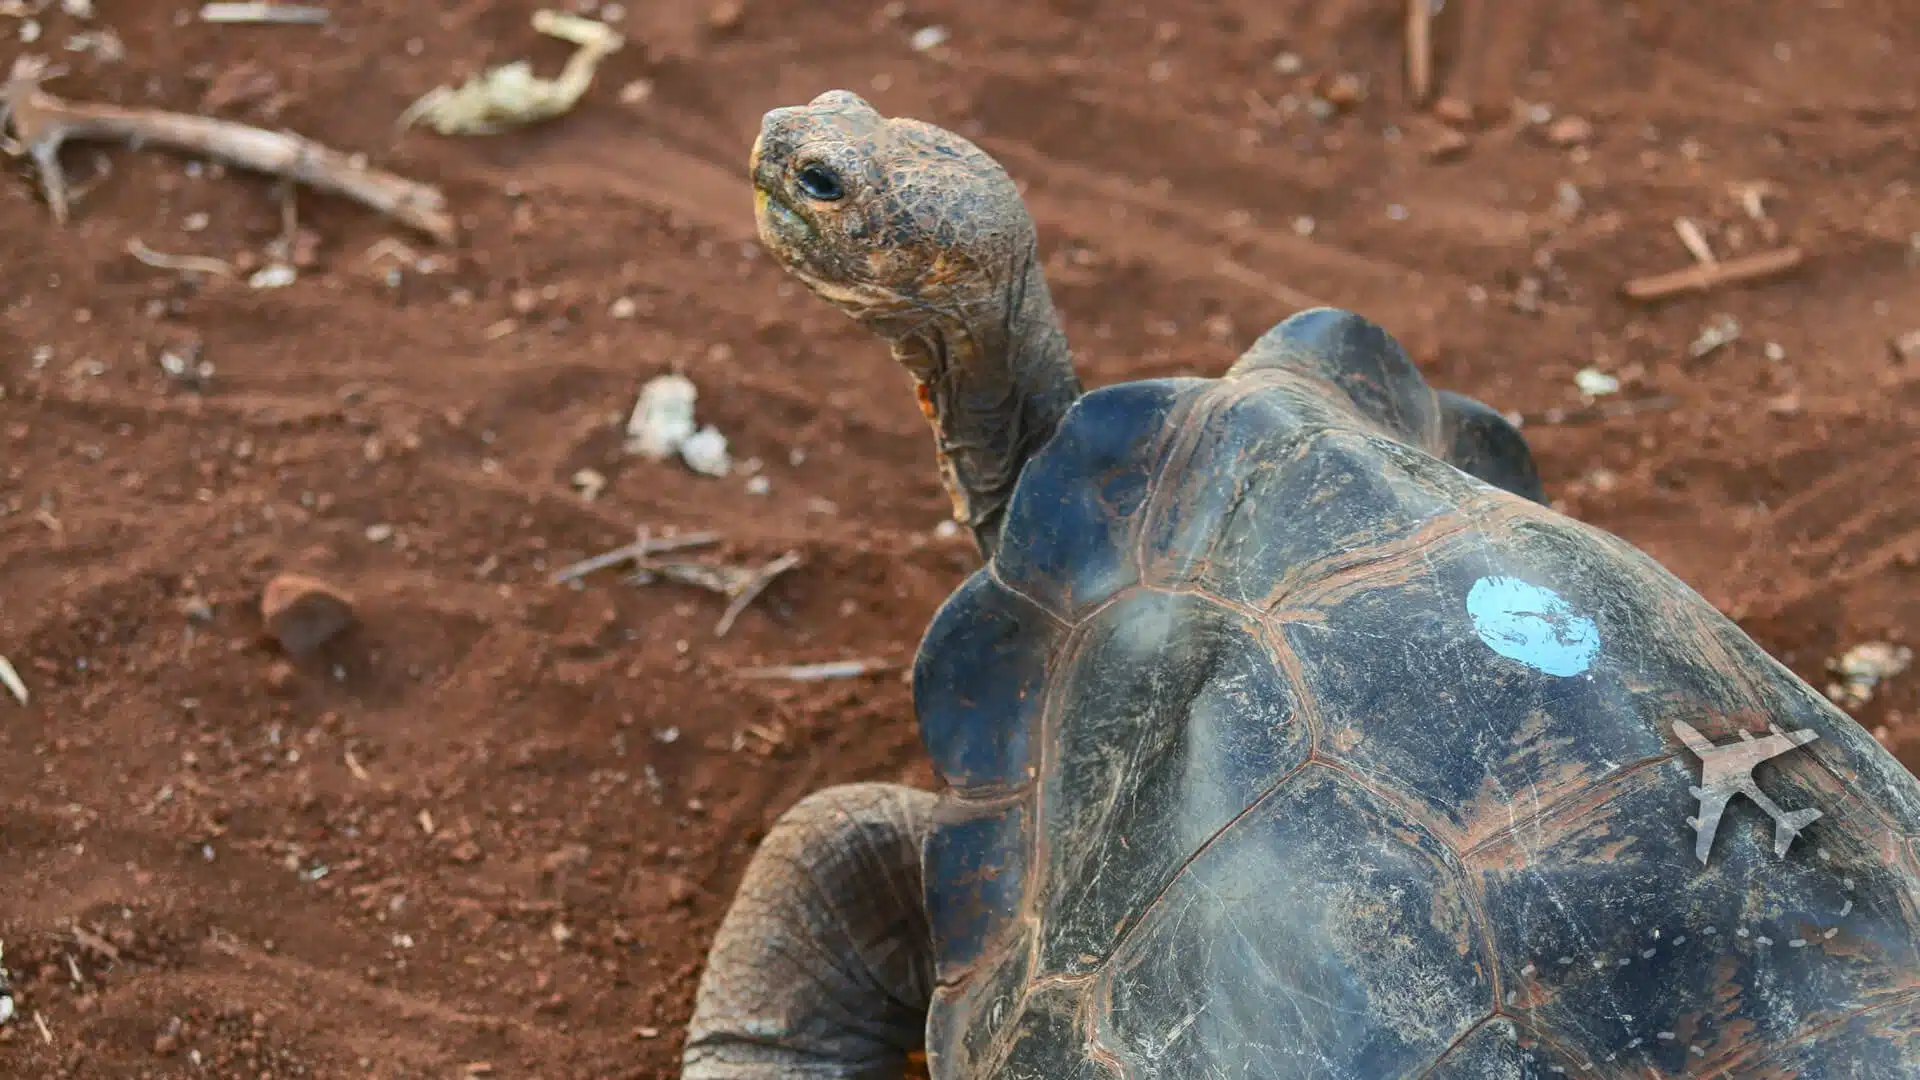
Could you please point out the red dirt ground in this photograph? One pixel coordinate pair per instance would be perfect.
(173, 790)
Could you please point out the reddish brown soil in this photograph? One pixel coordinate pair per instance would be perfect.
(169, 797)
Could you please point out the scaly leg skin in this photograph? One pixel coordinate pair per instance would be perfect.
(823, 967)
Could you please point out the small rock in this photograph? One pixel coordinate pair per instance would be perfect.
(166, 1045)
(303, 613)
(679, 891)
(726, 15)
(1446, 144)
(1595, 383)
(1343, 91)
(1906, 347)
(1722, 331)
(571, 856)
(1787, 404)
(929, 37)
(280, 675)
(705, 452)
(273, 276)
(589, 483)
(1570, 131)
(1454, 111)
(1289, 63)
(196, 609)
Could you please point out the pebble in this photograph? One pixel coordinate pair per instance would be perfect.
(589, 483)
(929, 37)
(1344, 91)
(303, 613)
(1453, 110)
(1906, 347)
(273, 276)
(1595, 383)
(726, 15)
(705, 452)
(1570, 131)
(1446, 144)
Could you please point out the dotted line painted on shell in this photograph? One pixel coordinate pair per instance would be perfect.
(1741, 933)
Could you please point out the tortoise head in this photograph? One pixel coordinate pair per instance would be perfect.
(891, 220)
(923, 238)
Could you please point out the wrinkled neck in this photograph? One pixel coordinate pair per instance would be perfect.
(996, 378)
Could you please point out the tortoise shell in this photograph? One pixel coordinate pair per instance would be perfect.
(1287, 734)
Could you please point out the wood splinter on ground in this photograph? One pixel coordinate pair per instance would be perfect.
(1703, 276)
(42, 122)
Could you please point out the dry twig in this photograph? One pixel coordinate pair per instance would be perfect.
(1703, 276)
(1605, 410)
(282, 14)
(1695, 241)
(43, 122)
(832, 669)
(635, 552)
(160, 260)
(1419, 49)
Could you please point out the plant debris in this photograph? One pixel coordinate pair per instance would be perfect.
(740, 584)
(511, 95)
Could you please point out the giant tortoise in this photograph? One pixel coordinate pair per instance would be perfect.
(1285, 732)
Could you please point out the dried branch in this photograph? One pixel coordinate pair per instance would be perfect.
(43, 122)
(1704, 276)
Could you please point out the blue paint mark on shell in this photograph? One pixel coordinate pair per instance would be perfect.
(1525, 622)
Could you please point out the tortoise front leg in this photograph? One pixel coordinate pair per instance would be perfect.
(823, 967)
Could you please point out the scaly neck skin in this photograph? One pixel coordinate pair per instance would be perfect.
(996, 380)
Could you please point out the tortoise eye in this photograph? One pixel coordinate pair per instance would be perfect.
(818, 182)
